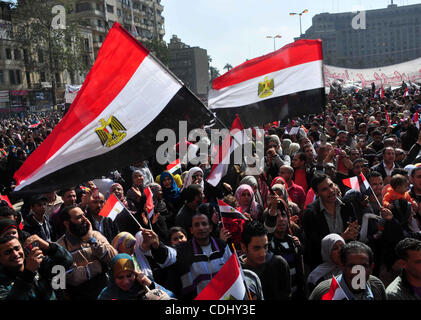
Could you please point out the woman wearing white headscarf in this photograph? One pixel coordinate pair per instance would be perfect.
(331, 248)
(193, 176)
(252, 182)
(293, 148)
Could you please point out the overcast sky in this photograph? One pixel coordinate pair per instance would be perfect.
(235, 30)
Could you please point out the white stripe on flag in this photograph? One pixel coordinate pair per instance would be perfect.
(306, 76)
(142, 94)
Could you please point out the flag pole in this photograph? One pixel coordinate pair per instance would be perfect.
(129, 212)
(378, 202)
(244, 280)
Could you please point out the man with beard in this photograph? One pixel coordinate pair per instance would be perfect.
(105, 225)
(27, 275)
(91, 253)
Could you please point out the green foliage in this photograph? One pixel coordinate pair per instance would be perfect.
(159, 49)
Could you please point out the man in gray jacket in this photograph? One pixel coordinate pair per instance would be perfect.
(407, 286)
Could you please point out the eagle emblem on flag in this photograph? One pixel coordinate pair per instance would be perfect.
(266, 88)
(111, 132)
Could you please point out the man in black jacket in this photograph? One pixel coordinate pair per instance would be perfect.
(326, 215)
(104, 225)
(37, 222)
(273, 270)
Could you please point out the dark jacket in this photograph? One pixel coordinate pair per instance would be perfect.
(32, 226)
(380, 168)
(316, 228)
(110, 228)
(274, 276)
(29, 285)
(400, 289)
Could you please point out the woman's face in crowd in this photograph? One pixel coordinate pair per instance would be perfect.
(138, 179)
(177, 237)
(124, 280)
(166, 183)
(197, 177)
(118, 191)
(245, 198)
(335, 253)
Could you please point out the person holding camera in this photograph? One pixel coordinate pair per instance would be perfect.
(26, 270)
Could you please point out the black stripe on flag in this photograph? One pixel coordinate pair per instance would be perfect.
(279, 108)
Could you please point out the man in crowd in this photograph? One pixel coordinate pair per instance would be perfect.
(105, 225)
(407, 286)
(91, 254)
(273, 270)
(36, 222)
(328, 214)
(295, 192)
(353, 255)
(28, 275)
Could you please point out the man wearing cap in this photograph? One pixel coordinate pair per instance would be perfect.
(36, 222)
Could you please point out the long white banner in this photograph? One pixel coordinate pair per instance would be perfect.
(387, 76)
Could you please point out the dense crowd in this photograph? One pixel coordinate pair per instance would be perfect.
(303, 226)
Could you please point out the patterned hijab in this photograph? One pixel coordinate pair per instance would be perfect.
(172, 194)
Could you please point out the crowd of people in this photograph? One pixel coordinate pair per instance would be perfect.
(303, 225)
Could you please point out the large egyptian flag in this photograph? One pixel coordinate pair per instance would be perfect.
(283, 84)
(127, 97)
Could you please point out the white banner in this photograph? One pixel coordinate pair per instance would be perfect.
(71, 92)
(4, 96)
(387, 76)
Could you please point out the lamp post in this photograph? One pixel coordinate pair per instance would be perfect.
(274, 37)
(299, 14)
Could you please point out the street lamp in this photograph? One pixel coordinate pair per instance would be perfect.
(274, 37)
(299, 14)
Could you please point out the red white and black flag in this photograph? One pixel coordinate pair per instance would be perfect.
(283, 84)
(127, 97)
(358, 183)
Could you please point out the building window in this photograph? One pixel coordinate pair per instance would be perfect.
(100, 23)
(1, 77)
(118, 12)
(110, 9)
(28, 79)
(17, 54)
(18, 77)
(57, 77)
(12, 78)
(8, 53)
(86, 44)
(40, 56)
(42, 77)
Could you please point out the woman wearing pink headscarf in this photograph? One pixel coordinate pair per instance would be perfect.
(247, 203)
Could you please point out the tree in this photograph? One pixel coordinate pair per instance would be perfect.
(47, 48)
(214, 73)
(228, 67)
(160, 49)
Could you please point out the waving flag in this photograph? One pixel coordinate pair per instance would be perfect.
(285, 83)
(174, 166)
(335, 292)
(381, 92)
(35, 125)
(127, 97)
(222, 159)
(228, 283)
(358, 183)
(417, 120)
(149, 202)
(406, 94)
(112, 208)
(232, 220)
(387, 117)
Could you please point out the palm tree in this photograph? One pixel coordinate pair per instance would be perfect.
(228, 67)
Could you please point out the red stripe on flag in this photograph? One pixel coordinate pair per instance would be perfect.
(6, 198)
(299, 52)
(149, 199)
(331, 293)
(120, 51)
(108, 206)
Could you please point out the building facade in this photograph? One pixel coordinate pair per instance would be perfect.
(191, 65)
(391, 35)
(21, 89)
